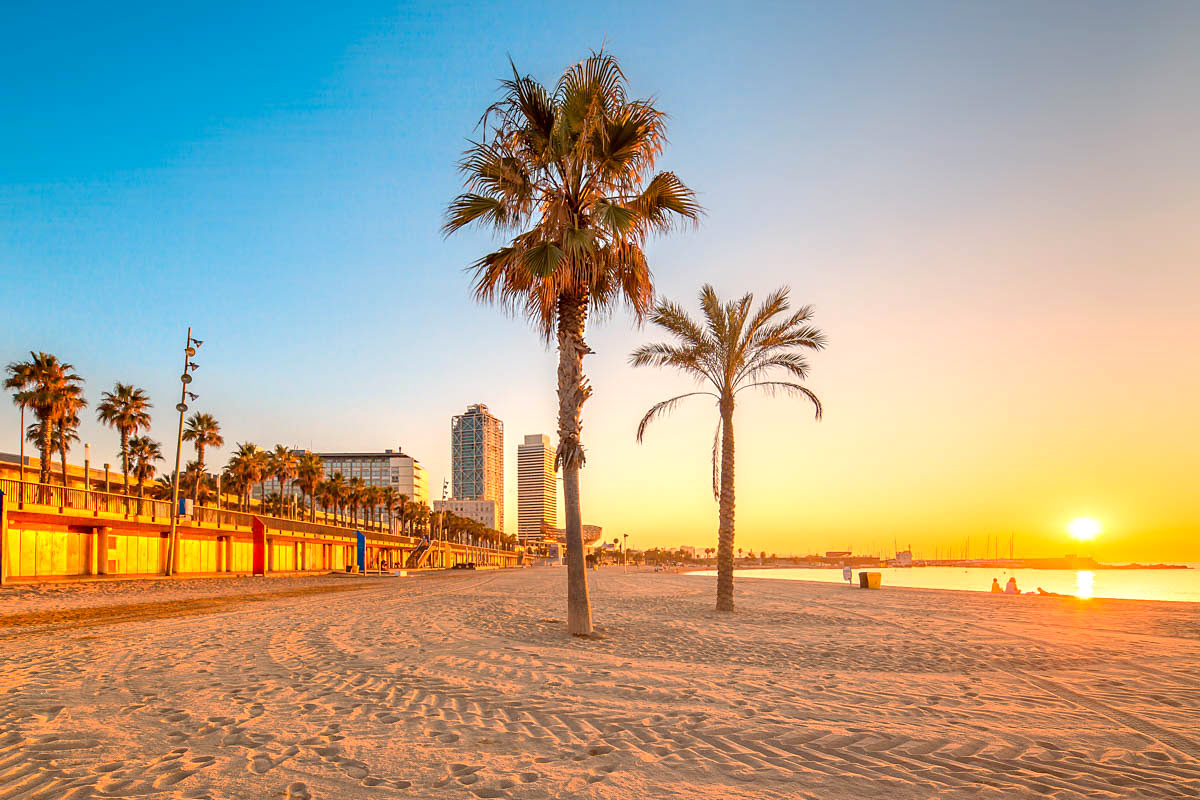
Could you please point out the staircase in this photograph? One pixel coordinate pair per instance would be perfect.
(417, 556)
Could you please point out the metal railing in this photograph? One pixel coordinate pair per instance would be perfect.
(20, 494)
(23, 493)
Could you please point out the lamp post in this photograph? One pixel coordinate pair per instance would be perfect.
(106, 478)
(188, 365)
(625, 552)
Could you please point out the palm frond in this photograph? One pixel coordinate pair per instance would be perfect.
(790, 388)
(665, 407)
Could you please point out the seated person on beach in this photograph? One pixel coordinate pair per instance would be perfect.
(996, 586)
(1011, 587)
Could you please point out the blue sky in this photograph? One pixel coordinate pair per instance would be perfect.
(956, 186)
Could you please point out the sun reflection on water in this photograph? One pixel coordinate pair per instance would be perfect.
(1084, 581)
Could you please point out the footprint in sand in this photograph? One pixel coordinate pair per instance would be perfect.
(297, 791)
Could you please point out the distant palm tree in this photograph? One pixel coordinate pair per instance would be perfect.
(354, 497)
(309, 472)
(732, 350)
(50, 388)
(283, 466)
(246, 467)
(202, 431)
(400, 506)
(568, 173)
(127, 409)
(336, 491)
(387, 499)
(143, 452)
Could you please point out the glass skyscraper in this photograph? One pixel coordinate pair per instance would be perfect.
(477, 458)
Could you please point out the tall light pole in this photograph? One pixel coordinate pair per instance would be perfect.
(188, 365)
(625, 552)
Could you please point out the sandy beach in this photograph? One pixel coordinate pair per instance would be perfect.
(463, 685)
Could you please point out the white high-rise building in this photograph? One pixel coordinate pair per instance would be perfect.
(537, 488)
(477, 458)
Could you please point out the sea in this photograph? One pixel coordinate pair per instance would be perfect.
(1181, 585)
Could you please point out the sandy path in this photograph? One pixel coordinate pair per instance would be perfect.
(463, 686)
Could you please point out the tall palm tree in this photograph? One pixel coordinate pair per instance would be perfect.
(282, 467)
(22, 400)
(49, 387)
(202, 431)
(143, 452)
(127, 409)
(568, 174)
(309, 472)
(731, 350)
(68, 429)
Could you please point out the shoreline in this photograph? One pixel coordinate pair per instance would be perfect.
(702, 573)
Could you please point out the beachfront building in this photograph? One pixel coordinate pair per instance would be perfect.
(485, 512)
(387, 468)
(477, 460)
(537, 488)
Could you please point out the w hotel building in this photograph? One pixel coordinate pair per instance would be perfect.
(477, 464)
(537, 489)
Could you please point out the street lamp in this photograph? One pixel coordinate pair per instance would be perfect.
(189, 350)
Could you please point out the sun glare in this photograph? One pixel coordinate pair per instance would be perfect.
(1083, 528)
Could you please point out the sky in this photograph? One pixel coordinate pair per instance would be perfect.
(991, 206)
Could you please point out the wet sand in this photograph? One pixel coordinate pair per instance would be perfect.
(463, 685)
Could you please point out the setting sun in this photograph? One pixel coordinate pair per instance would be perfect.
(1083, 528)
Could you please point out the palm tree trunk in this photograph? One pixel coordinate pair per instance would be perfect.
(725, 511)
(62, 453)
(200, 472)
(46, 448)
(125, 458)
(573, 391)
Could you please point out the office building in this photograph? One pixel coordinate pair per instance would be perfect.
(485, 512)
(477, 459)
(388, 468)
(537, 488)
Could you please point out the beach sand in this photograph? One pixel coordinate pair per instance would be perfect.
(463, 685)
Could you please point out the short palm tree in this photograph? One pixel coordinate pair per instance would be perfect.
(733, 349)
(202, 431)
(143, 452)
(127, 409)
(567, 176)
(49, 387)
(283, 466)
(65, 433)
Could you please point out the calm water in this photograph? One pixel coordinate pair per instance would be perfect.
(1130, 584)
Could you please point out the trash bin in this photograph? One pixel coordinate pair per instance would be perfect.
(869, 580)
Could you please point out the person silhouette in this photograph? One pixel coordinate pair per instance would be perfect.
(996, 586)
(1011, 587)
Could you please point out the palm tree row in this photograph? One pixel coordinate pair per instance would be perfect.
(54, 393)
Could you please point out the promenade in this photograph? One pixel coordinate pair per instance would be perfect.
(463, 685)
